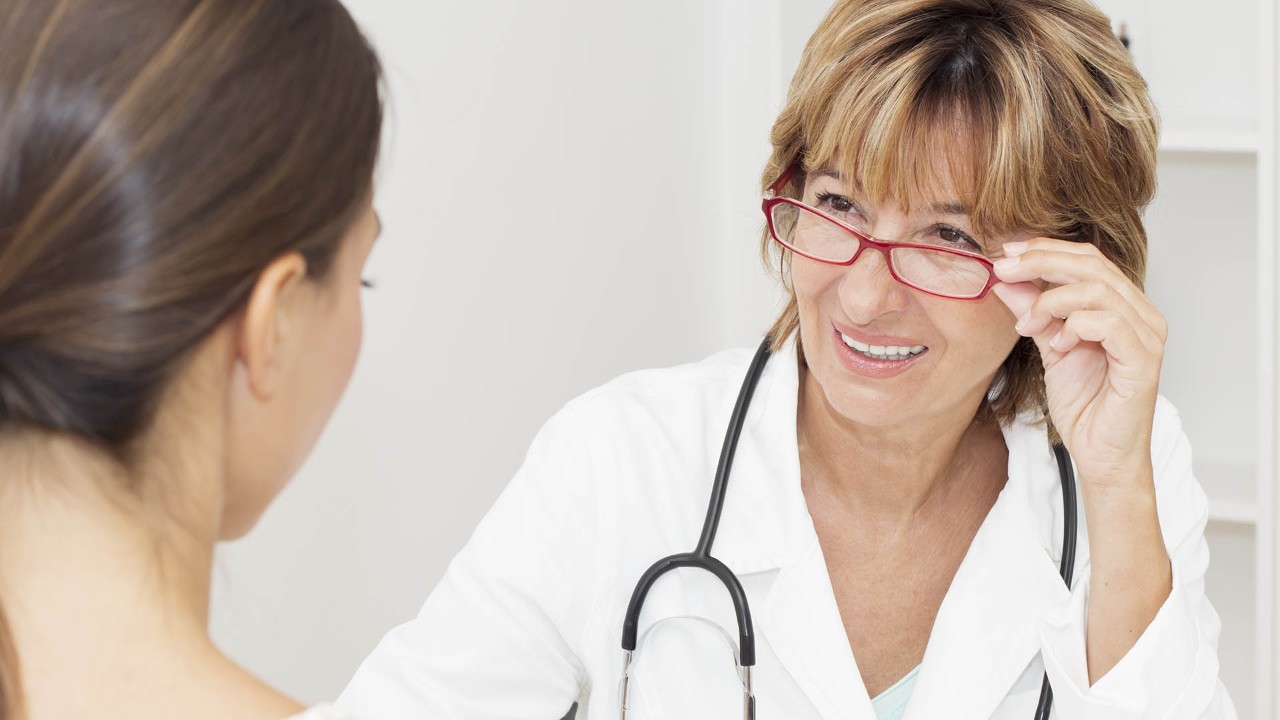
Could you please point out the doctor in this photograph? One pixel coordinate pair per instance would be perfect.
(954, 199)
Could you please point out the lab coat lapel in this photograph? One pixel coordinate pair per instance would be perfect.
(802, 624)
(766, 528)
(764, 509)
(986, 632)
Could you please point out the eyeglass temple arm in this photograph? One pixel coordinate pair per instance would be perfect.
(776, 188)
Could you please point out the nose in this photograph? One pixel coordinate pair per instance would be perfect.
(868, 290)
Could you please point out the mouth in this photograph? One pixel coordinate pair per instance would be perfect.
(883, 352)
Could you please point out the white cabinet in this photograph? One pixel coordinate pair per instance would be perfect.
(1211, 69)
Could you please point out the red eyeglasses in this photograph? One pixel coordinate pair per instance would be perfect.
(937, 270)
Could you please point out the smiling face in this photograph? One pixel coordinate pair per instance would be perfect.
(882, 353)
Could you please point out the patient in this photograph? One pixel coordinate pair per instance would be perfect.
(185, 211)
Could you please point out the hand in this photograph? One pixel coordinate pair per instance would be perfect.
(1102, 343)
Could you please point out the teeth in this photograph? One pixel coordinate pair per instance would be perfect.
(883, 352)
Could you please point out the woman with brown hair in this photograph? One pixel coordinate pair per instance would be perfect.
(954, 201)
(185, 211)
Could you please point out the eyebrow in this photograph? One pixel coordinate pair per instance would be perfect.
(951, 208)
(944, 208)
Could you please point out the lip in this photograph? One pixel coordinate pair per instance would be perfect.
(860, 364)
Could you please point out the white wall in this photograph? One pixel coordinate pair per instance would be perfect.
(569, 191)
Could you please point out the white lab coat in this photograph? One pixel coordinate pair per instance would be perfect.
(529, 616)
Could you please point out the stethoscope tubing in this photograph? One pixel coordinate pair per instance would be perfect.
(701, 557)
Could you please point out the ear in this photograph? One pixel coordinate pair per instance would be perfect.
(268, 320)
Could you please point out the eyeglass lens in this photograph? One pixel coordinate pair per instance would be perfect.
(935, 271)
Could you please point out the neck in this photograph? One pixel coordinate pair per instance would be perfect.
(890, 475)
(101, 578)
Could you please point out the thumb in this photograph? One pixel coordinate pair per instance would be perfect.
(1018, 297)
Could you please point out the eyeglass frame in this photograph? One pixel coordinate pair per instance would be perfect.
(773, 198)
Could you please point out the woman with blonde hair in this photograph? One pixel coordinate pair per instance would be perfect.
(950, 488)
(185, 211)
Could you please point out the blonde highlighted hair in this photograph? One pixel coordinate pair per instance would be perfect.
(1033, 106)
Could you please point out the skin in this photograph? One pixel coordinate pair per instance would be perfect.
(111, 586)
(1102, 342)
(899, 473)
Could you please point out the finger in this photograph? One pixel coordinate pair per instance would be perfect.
(1056, 266)
(1125, 351)
(1018, 297)
(1062, 302)
(1047, 243)
(1063, 263)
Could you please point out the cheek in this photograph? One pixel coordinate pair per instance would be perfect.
(812, 284)
(988, 330)
(352, 337)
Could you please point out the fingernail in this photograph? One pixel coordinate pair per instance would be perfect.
(1023, 323)
(1006, 263)
(1054, 342)
(1014, 249)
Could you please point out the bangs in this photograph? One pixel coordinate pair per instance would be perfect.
(923, 128)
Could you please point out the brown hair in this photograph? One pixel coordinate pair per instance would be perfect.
(156, 157)
(1035, 106)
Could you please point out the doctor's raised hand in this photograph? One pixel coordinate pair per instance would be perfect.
(874, 515)
(1101, 341)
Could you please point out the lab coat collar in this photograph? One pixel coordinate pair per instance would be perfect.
(762, 526)
(985, 633)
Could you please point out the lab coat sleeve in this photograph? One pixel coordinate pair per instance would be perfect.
(496, 637)
(1171, 673)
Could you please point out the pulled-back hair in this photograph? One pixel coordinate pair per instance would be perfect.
(1033, 106)
(155, 157)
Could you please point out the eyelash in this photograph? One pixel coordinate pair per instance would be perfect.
(961, 236)
(827, 197)
(367, 284)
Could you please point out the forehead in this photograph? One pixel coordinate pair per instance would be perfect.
(935, 159)
(937, 174)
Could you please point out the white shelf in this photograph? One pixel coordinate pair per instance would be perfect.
(1209, 141)
(1233, 513)
(1232, 491)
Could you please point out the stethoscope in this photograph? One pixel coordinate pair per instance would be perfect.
(701, 556)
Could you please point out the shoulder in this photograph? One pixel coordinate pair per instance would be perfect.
(1180, 499)
(663, 396)
(1170, 449)
(708, 375)
(664, 422)
(1168, 423)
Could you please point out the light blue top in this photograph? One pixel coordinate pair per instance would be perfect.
(892, 703)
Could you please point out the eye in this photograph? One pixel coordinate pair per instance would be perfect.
(836, 204)
(957, 239)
